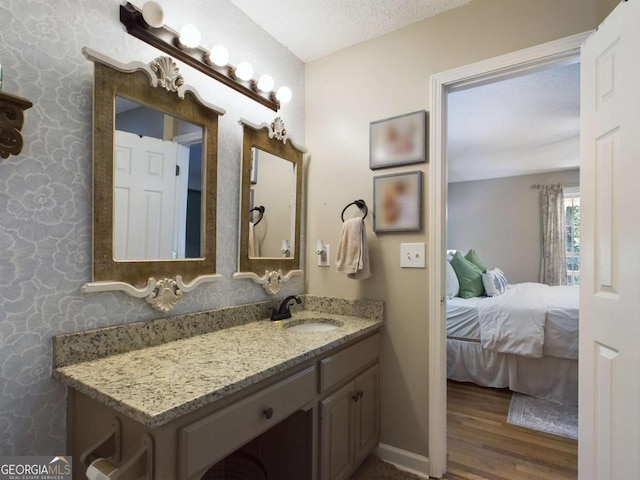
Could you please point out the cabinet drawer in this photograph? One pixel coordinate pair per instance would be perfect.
(345, 364)
(211, 439)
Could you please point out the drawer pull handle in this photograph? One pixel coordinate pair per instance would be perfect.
(356, 396)
(268, 413)
(361, 394)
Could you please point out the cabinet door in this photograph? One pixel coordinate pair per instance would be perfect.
(336, 446)
(366, 417)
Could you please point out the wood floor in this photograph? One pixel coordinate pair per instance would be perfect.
(483, 446)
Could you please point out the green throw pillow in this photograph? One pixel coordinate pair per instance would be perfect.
(474, 258)
(469, 276)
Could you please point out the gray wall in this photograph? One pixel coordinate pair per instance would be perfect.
(500, 219)
(45, 192)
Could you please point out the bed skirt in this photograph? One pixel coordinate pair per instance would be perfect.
(550, 378)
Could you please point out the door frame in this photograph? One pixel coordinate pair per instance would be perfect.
(557, 51)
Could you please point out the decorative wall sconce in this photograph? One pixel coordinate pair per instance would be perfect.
(148, 25)
(285, 249)
(11, 120)
(323, 252)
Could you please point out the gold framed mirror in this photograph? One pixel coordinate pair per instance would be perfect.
(155, 144)
(270, 205)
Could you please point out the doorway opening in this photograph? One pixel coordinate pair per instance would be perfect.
(557, 52)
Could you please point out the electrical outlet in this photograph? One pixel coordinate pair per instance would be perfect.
(325, 259)
(412, 255)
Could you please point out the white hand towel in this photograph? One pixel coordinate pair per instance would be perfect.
(254, 244)
(353, 254)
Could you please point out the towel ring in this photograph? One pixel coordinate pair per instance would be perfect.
(358, 203)
(260, 210)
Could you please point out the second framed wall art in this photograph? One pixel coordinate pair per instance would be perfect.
(397, 202)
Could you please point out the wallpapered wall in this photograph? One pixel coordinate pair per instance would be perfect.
(45, 192)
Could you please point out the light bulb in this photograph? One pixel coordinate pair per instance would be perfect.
(190, 36)
(284, 94)
(219, 55)
(244, 71)
(152, 14)
(265, 83)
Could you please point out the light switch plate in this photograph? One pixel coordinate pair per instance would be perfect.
(412, 255)
(325, 260)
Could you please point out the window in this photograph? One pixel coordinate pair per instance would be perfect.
(572, 212)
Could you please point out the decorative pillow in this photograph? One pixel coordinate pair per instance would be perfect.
(453, 286)
(469, 277)
(495, 282)
(474, 258)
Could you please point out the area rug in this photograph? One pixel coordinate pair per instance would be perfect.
(542, 415)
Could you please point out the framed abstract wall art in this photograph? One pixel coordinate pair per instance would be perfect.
(398, 140)
(397, 202)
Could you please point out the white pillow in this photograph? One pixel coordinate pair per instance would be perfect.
(453, 285)
(495, 282)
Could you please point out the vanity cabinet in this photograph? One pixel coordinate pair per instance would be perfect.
(318, 419)
(349, 417)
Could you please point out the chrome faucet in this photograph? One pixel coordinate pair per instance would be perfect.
(283, 312)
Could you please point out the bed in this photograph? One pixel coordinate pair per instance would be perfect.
(525, 339)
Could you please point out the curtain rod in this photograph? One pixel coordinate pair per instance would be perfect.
(539, 185)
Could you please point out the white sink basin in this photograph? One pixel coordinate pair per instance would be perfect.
(313, 325)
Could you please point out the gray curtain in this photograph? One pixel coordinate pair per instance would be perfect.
(553, 267)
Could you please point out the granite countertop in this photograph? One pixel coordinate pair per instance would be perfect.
(160, 383)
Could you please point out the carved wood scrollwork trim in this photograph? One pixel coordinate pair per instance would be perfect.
(11, 121)
(278, 130)
(271, 281)
(163, 294)
(169, 76)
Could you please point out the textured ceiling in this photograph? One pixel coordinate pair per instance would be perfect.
(524, 125)
(312, 29)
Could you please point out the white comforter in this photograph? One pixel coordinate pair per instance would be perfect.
(515, 321)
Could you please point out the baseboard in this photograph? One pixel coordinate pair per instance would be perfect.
(404, 460)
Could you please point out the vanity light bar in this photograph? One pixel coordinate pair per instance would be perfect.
(167, 40)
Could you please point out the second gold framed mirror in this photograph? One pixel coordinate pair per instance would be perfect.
(270, 205)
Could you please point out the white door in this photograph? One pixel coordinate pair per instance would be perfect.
(182, 191)
(609, 437)
(144, 197)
